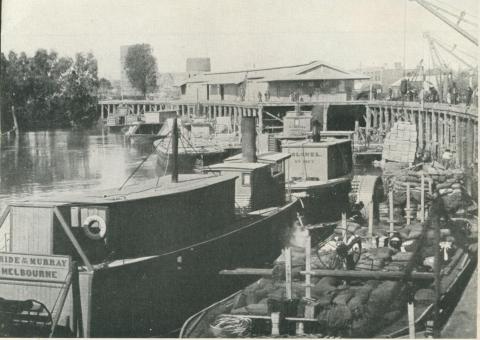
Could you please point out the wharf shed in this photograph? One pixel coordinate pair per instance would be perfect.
(314, 81)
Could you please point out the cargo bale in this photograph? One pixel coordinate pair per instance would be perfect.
(425, 295)
(343, 297)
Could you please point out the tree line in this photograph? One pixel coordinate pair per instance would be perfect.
(49, 91)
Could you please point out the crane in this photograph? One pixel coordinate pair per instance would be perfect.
(437, 11)
(433, 42)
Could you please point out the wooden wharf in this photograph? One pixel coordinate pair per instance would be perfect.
(440, 126)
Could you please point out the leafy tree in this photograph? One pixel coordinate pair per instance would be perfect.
(141, 68)
(48, 91)
(104, 86)
(81, 88)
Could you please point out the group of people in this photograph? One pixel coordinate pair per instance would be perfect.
(266, 96)
(451, 96)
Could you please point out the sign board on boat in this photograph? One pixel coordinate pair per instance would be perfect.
(40, 268)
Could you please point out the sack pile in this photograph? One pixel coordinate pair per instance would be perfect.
(447, 183)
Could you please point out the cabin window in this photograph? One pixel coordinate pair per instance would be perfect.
(277, 169)
(246, 179)
(222, 92)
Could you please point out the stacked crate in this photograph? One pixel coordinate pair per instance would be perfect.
(400, 144)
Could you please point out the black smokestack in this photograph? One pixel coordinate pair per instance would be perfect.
(249, 148)
(174, 151)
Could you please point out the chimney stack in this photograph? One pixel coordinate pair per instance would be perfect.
(174, 151)
(249, 139)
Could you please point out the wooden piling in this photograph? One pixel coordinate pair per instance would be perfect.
(370, 219)
(422, 198)
(288, 272)
(408, 209)
(464, 126)
(390, 201)
(308, 267)
(420, 130)
(381, 113)
(368, 119)
(470, 138)
(428, 129)
(411, 320)
(434, 136)
(458, 142)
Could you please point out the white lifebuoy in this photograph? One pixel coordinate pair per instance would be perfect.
(102, 226)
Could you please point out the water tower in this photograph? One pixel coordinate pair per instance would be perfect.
(197, 65)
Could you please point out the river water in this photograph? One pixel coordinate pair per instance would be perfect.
(34, 164)
(52, 162)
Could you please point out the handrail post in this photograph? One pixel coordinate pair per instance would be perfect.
(72, 239)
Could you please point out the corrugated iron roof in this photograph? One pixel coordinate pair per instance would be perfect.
(315, 70)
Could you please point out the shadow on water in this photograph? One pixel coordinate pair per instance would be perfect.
(47, 162)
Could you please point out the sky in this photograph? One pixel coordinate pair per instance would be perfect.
(235, 34)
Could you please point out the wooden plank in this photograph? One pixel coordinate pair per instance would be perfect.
(4, 215)
(248, 271)
(63, 297)
(370, 275)
(72, 238)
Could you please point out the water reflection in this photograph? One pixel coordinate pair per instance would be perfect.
(43, 162)
(51, 162)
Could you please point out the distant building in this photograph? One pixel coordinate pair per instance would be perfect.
(196, 66)
(314, 81)
(167, 88)
(382, 75)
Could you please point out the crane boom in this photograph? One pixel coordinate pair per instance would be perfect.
(454, 55)
(433, 41)
(456, 27)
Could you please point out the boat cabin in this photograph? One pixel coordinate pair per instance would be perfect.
(142, 129)
(297, 124)
(318, 161)
(201, 129)
(140, 220)
(158, 117)
(103, 232)
(258, 185)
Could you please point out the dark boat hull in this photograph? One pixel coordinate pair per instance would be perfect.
(154, 296)
(188, 162)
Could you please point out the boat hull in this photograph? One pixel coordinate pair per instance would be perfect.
(188, 162)
(154, 296)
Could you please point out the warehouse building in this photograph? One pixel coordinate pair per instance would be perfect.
(316, 81)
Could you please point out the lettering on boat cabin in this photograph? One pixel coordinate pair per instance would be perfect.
(307, 157)
(34, 267)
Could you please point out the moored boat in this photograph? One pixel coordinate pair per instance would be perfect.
(351, 286)
(202, 143)
(135, 261)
